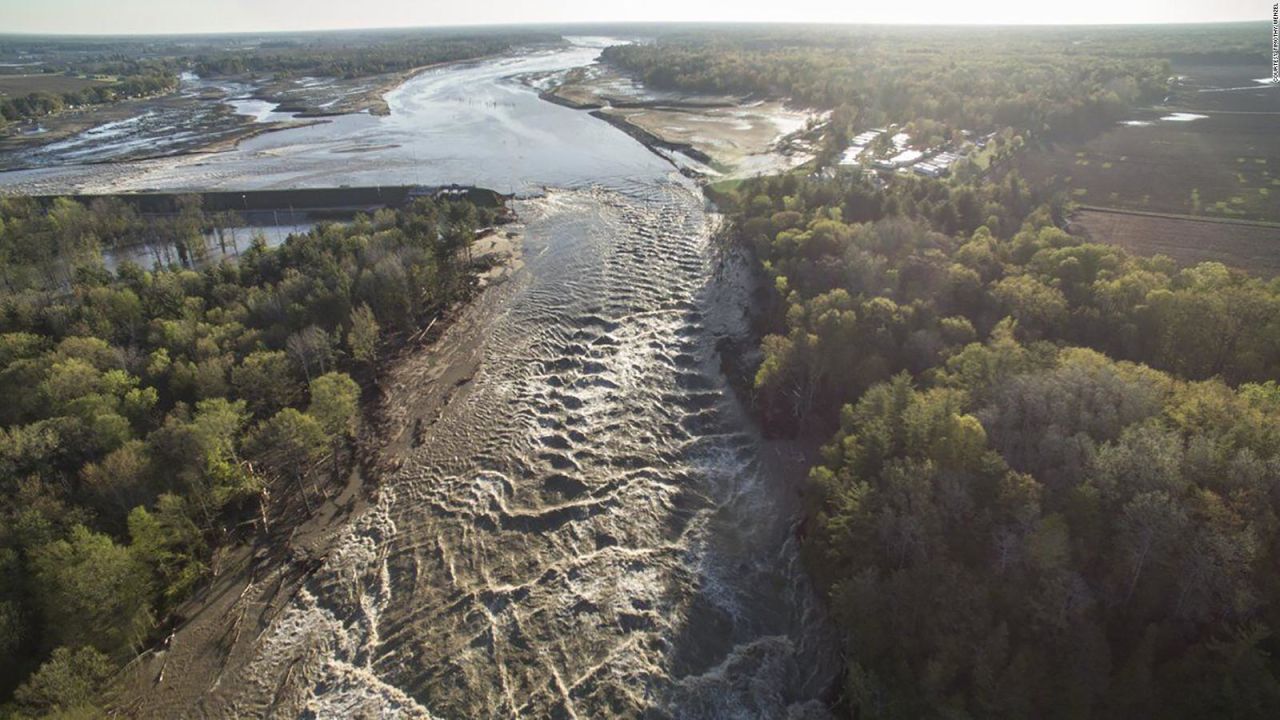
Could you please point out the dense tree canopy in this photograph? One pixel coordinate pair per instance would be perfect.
(145, 411)
(1054, 484)
(940, 80)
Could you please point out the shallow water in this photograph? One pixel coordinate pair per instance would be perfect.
(472, 124)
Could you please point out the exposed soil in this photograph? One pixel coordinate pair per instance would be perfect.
(738, 141)
(254, 579)
(724, 136)
(1208, 149)
(1252, 247)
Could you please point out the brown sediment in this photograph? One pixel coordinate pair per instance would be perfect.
(371, 100)
(707, 128)
(258, 573)
(72, 122)
(647, 138)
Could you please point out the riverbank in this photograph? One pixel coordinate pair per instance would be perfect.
(200, 120)
(338, 96)
(726, 137)
(255, 577)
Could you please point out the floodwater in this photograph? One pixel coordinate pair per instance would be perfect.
(593, 527)
(468, 124)
(164, 127)
(273, 228)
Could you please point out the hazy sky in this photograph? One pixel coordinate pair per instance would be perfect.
(165, 16)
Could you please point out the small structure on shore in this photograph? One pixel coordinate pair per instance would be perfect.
(902, 159)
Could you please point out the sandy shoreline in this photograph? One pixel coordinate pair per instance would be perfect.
(724, 137)
(306, 112)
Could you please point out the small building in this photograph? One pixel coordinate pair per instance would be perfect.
(902, 159)
(851, 154)
(938, 165)
(866, 138)
(928, 169)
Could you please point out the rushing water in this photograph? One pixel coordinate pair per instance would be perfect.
(591, 528)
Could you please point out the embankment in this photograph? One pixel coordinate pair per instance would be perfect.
(648, 139)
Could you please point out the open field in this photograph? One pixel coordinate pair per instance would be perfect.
(19, 85)
(1249, 246)
(1211, 149)
(1221, 165)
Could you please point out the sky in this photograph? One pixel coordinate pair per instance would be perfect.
(195, 16)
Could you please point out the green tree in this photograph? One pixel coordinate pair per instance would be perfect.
(67, 685)
(335, 404)
(91, 589)
(265, 380)
(362, 338)
(290, 443)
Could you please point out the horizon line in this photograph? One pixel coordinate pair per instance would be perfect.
(603, 23)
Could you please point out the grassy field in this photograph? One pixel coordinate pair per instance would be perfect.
(18, 85)
(1250, 246)
(1224, 163)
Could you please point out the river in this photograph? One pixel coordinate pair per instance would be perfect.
(593, 527)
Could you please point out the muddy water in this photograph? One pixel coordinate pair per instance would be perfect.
(592, 527)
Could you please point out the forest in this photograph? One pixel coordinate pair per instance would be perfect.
(1035, 81)
(1050, 483)
(149, 413)
(350, 55)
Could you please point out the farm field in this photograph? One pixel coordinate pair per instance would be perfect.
(1211, 149)
(1252, 247)
(18, 85)
(1223, 165)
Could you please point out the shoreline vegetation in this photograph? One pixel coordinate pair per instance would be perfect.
(176, 430)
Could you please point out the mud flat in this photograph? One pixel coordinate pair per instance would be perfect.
(599, 85)
(736, 141)
(725, 136)
(327, 97)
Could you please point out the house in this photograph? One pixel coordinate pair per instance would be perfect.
(902, 159)
(850, 155)
(866, 138)
(938, 165)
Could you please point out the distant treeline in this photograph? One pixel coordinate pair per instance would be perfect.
(1054, 484)
(145, 412)
(147, 68)
(1034, 81)
(393, 53)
